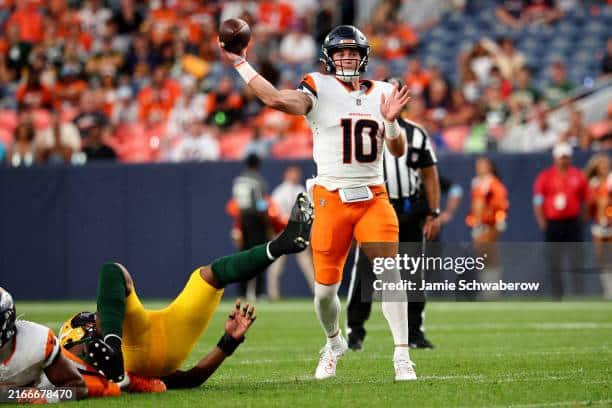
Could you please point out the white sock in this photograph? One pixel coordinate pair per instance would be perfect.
(335, 343)
(396, 314)
(401, 353)
(327, 306)
(395, 309)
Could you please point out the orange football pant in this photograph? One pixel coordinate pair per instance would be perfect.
(336, 223)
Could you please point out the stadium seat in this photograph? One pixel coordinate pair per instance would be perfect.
(135, 144)
(126, 132)
(566, 28)
(560, 45)
(596, 28)
(8, 119)
(6, 137)
(294, 146)
(232, 144)
(41, 118)
(455, 137)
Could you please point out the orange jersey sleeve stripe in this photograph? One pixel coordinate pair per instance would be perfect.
(309, 83)
(50, 345)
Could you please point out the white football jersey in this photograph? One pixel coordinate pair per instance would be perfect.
(36, 347)
(347, 130)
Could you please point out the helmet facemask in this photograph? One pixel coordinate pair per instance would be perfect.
(347, 74)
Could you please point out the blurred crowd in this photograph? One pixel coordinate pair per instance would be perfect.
(142, 81)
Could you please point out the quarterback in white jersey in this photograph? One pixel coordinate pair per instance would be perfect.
(30, 355)
(350, 119)
(347, 130)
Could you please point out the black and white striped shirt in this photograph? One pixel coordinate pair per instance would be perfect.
(402, 174)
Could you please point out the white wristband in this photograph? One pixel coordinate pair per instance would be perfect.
(246, 71)
(392, 130)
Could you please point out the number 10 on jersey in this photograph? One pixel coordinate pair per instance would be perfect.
(354, 135)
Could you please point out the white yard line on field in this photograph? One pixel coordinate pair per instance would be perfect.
(557, 404)
(508, 326)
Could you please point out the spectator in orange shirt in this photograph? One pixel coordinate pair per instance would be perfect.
(416, 77)
(33, 94)
(399, 40)
(160, 23)
(160, 95)
(29, 20)
(70, 86)
(275, 15)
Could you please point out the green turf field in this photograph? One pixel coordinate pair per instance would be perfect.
(488, 354)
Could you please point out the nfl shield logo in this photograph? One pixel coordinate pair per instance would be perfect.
(358, 102)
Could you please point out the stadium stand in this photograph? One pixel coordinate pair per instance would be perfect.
(137, 60)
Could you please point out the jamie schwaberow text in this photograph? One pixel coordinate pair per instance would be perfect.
(459, 286)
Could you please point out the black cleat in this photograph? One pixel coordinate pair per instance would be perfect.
(420, 342)
(355, 343)
(295, 238)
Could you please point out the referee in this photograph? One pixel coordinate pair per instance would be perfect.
(414, 190)
(249, 190)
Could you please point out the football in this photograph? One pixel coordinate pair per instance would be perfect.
(234, 35)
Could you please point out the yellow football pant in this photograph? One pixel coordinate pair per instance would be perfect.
(157, 342)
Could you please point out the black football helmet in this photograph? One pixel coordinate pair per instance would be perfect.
(341, 37)
(8, 329)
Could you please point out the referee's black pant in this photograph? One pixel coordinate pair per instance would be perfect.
(358, 309)
(566, 234)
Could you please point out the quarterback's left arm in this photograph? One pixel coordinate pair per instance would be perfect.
(236, 326)
(390, 108)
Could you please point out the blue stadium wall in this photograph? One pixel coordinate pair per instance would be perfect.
(59, 224)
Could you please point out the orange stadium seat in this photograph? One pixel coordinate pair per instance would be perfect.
(455, 137)
(232, 144)
(6, 137)
(8, 119)
(41, 118)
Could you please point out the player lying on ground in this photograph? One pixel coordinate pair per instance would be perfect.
(80, 335)
(352, 121)
(30, 355)
(123, 336)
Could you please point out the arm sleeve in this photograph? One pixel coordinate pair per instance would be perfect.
(52, 349)
(309, 87)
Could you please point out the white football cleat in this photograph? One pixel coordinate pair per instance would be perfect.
(404, 370)
(329, 359)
